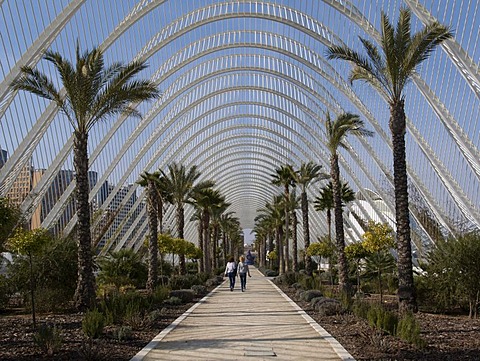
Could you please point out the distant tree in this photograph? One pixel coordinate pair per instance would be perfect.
(453, 270)
(378, 240)
(337, 131)
(122, 268)
(29, 243)
(356, 252)
(9, 217)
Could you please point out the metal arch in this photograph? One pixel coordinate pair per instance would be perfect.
(459, 138)
(148, 145)
(34, 53)
(463, 62)
(217, 167)
(23, 152)
(202, 16)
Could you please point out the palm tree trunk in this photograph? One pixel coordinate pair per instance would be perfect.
(281, 259)
(201, 263)
(206, 242)
(286, 255)
(85, 291)
(153, 240)
(216, 234)
(339, 233)
(294, 242)
(406, 290)
(306, 233)
(181, 226)
(224, 246)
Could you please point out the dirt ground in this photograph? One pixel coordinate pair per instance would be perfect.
(447, 337)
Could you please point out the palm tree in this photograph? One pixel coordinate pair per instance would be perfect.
(206, 200)
(227, 223)
(93, 93)
(307, 174)
(217, 210)
(149, 181)
(180, 184)
(388, 70)
(284, 177)
(272, 216)
(324, 202)
(337, 131)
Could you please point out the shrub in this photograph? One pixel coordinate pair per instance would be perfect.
(310, 294)
(360, 309)
(288, 278)
(271, 273)
(122, 333)
(48, 338)
(159, 295)
(134, 317)
(184, 282)
(90, 350)
(199, 290)
(409, 330)
(5, 292)
(328, 307)
(185, 295)
(173, 301)
(382, 319)
(93, 323)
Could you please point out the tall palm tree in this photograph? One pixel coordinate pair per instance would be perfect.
(284, 177)
(93, 93)
(273, 215)
(180, 183)
(336, 132)
(207, 199)
(149, 181)
(217, 210)
(388, 70)
(227, 222)
(324, 202)
(306, 175)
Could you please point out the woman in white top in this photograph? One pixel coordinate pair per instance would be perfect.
(231, 272)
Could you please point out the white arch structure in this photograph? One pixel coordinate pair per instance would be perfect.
(245, 88)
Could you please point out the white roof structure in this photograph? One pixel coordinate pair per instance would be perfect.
(245, 88)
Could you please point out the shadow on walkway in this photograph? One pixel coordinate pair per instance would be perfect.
(261, 323)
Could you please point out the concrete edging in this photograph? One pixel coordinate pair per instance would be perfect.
(156, 340)
(337, 347)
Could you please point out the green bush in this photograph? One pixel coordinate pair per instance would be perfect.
(159, 295)
(360, 309)
(93, 323)
(382, 319)
(122, 333)
(173, 301)
(5, 292)
(114, 305)
(409, 330)
(185, 282)
(185, 295)
(48, 338)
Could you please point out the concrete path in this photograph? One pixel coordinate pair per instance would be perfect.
(261, 323)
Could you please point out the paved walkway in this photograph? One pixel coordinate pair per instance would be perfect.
(261, 323)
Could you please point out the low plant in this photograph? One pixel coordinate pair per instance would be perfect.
(90, 350)
(122, 333)
(409, 330)
(48, 338)
(93, 323)
(173, 301)
(382, 319)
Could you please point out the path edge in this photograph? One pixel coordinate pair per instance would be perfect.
(337, 347)
(156, 340)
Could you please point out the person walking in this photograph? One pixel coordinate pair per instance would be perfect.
(243, 271)
(231, 272)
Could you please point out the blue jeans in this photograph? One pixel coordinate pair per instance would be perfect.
(231, 277)
(243, 280)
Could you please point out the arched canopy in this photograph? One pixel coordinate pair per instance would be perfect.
(245, 88)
